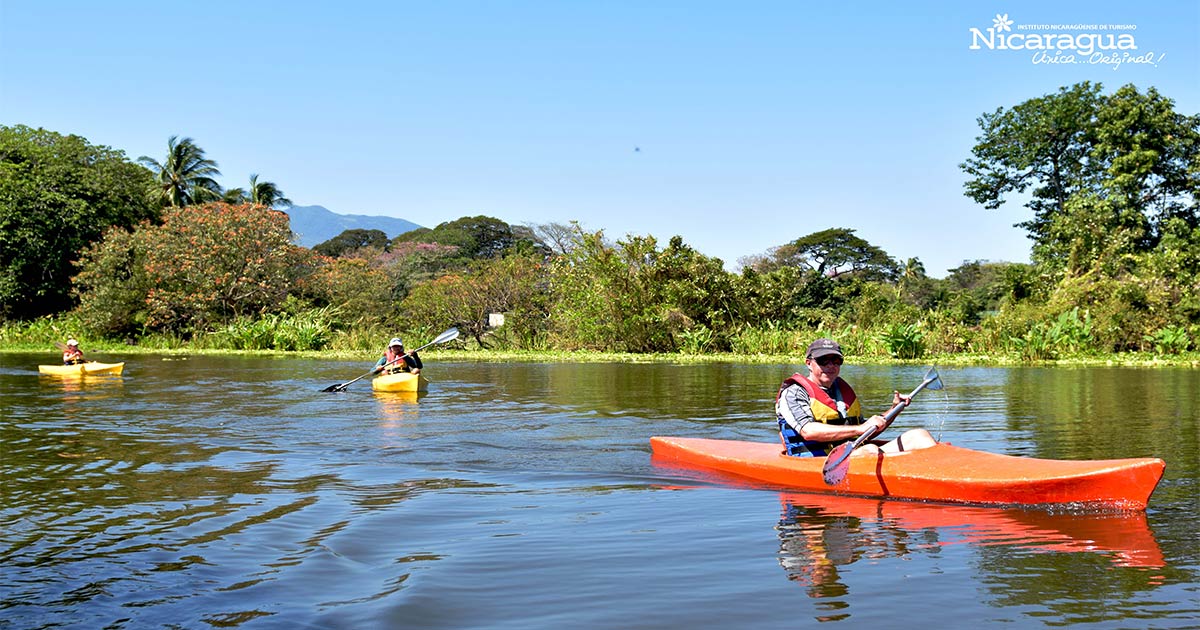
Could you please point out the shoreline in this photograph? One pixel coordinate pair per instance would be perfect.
(1185, 360)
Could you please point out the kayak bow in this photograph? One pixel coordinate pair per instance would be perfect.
(943, 473)
(400, 382)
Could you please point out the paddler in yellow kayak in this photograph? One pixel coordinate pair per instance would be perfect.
(819, 411)
(395, 360)
(72, 355)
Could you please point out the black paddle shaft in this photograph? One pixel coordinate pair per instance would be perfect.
(833, 468)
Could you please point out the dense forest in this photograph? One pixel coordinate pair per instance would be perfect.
(156, 252)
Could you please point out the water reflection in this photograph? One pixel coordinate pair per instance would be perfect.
(398, 402)
(218, 491)
(820, 536)
(76, 387)
(1060, 406)
(398, 412)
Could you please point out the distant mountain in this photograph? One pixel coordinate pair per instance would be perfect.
(316, 224)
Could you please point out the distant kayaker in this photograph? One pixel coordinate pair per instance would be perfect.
(819, 411)
(396, 360)
(72, 354)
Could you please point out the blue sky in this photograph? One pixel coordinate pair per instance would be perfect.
(757, 122)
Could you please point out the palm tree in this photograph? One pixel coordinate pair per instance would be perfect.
(914, 269)
(185, 177)
(912, 278)
(266, 193)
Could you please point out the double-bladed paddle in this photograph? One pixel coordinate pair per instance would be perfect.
(837, 464)
(449, 335)
(62, 346)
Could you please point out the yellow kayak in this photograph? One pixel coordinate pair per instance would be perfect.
(82, 369)
(400, 382)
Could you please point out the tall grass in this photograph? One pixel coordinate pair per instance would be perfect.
(375, 337)
(855, 341)
(767, 339)
(1169, 340)
(1069, 333)
(306, 330)
(44, 332)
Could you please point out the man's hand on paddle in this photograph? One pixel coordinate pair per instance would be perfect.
(874, 423)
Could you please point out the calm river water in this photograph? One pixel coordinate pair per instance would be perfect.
(201, 492)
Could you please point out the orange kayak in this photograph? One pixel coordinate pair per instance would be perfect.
(944, 473)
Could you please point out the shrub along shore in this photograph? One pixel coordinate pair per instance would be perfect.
(43, 339)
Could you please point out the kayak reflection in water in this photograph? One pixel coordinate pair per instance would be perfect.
(72, 355)
(820, 535)
(819, 411)
(395, 360)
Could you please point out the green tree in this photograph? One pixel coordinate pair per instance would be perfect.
(973, 275)
(1020, 282)
(695, 292)
(838, 251)
(1115, 183)
(1090, 233)
(352, 240)
(599, 304)
(1130, 149)
(475, 237)
(262, 193)
(202, 266)
(58, 194)
(631, 296)
(185, 176)
(358, 292)
(1044, 144)
(781, 295)
(1175, 261)
(915, 286)
(913, 270)
(411, 264)
(988, 284)
(112, 284)
(267, 194)
(1151, 157)
(513, 285)
(235, 196)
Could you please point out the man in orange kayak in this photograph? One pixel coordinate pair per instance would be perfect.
(72, 354)
(819, 411)
(396, 360)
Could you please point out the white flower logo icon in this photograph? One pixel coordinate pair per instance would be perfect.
(1001, 23)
